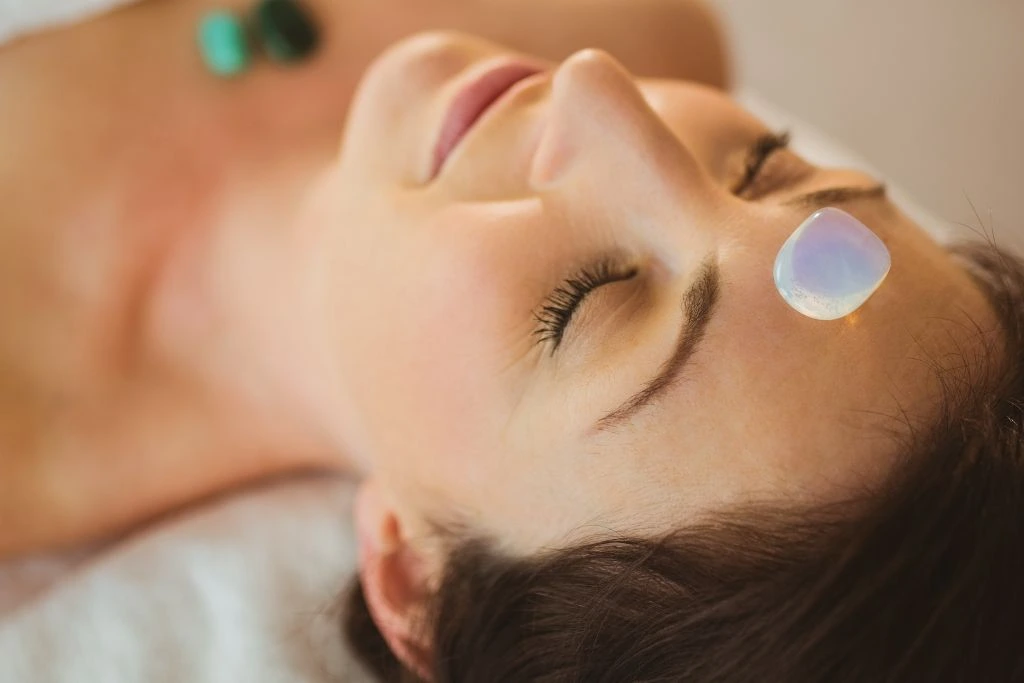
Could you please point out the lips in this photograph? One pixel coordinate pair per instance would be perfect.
(472, 102)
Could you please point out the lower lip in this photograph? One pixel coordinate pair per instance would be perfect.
(470, 104)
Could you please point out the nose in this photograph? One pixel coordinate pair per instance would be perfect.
(600, 128)
(606, 157)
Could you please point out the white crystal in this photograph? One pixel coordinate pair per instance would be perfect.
(830, 265)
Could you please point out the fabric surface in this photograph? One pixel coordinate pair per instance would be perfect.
(25, 16)
(241, 589)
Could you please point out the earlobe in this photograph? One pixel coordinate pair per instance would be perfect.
(395, 578)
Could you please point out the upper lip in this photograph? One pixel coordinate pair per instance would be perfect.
(477, 94)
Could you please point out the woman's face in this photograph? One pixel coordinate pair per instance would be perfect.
(657, 399)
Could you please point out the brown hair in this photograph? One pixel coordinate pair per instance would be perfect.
(923, 582)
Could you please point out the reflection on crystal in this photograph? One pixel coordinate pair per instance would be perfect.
(830, 265)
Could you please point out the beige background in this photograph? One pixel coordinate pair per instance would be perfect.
(929, 91)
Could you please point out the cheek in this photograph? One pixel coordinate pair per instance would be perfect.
(446, 349)
(424, 357)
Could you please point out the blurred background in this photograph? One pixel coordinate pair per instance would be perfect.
(931, 92)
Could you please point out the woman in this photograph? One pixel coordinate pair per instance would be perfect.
(595, 442)
(121, 166)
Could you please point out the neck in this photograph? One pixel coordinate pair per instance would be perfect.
(192, 372)
(239, 309)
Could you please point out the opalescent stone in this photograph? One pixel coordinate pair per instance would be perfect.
(223, 43)
(286, 29)
(830, 265)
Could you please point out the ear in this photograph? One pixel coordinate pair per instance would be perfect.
(395, 576)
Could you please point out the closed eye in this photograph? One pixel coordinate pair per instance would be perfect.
(560, 307)
(761, 151)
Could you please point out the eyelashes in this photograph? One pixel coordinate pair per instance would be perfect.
(763, 149)
(558, 309)
(561, 305)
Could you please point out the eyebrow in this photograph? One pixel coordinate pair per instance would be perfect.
(698, 309)
(699, 305)
(836, 195)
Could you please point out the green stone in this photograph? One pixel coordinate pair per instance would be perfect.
(286, 30)
(223, 43)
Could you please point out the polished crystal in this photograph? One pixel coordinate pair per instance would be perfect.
(287, 30)
(831, 265)
(223, 44)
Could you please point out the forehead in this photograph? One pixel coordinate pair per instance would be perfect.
(808, 410)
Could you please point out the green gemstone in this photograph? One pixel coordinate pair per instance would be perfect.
(286, 29)
(223, 43)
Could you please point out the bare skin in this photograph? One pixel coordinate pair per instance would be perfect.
(121, 158)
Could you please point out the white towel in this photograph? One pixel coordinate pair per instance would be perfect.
(242, 589)
(25, 16)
